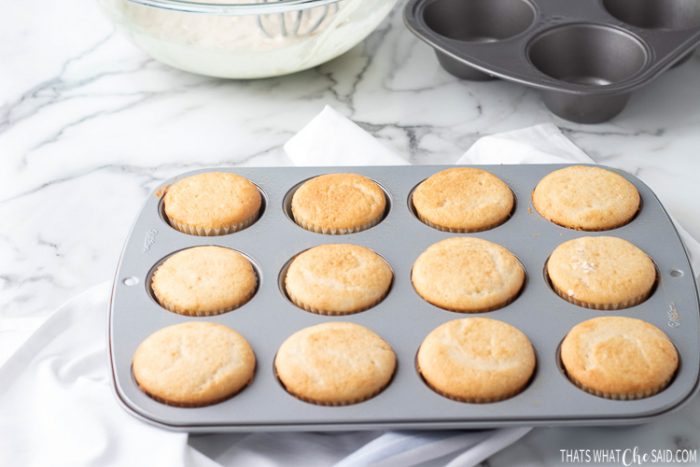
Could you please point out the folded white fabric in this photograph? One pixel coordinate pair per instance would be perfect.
(331, 139)
(57, 405)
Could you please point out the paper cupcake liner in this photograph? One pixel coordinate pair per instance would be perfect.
(542, 212)
(334, 404)
(165, 401)
(620, 397)
(474, 400)
(579, 228)
(173, 307)
(330, 231)
(181, 310)
(477, 310)
(204, 231)
(322, 311)
(460, 230)
(600, 306)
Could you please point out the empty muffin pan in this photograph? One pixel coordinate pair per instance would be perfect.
(585, 57)
(403, 318)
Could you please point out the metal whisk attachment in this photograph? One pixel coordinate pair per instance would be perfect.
(296, 23)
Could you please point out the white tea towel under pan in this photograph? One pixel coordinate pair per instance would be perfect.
(57, 406)
(331, 139)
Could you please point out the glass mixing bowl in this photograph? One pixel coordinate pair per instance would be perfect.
(248, 39)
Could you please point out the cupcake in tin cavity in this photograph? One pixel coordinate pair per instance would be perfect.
(467, 275)
(340, 203)
(463, 200)
(193, 364)
(335, 364)
(476, 360)
(586, 198)
(619, 358)
(212, 203)
(205, 280)
(337, 279)
(603, 273)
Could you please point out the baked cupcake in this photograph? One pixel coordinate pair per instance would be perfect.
(476, 360)
(586, 198)
(463, 200)
(212, 203)
(339, 203)
(603, 273)
(193, 364)
(619, 358)
(335, 364)
(204, 280)
(467, 274)
(337, 279)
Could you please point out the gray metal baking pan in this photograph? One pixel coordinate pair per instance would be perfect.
(585, 56)
(403, 318)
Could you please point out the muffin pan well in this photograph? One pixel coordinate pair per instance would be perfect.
(403, 318)
(585, 57)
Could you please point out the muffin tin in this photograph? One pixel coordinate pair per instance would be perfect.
(403, 318)
(584, 56)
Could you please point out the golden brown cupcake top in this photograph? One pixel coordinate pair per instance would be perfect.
(204, 280)
(338, 203)
(618, 357)
(476, 360)
(193, 364)
(337, 279)
(212, 203)
(467, 274)
(463, 200)
(586, 198)
(603, 273)
(335, 364)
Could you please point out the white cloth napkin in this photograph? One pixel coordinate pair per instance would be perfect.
(57, 405)
(331, 139)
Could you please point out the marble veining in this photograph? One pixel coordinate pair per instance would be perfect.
(89, 125)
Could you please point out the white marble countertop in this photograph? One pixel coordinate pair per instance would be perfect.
(89, 124)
